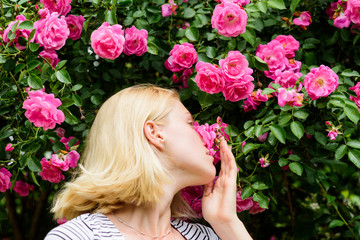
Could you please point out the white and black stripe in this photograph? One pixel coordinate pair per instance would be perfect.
(97, 226)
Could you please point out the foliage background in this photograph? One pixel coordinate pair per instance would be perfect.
(318, 198)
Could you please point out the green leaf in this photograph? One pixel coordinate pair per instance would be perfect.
(80, 127)
(260, 64)
(250, 147)
(278, 132)
(249, 36)
(261, 199)
(297, 129)
(248, 124)
(354, 156)
(276, 4)
(60, 64)
(258, 130)
(153, 48)
(301, 114)
(77, 100)
(352, 113)
(268, 91)
(34, 164)
(124, 3)
(96, 99)
(354, 144)
(296, 168)
(26, 25)
(350, 73)
(33, 177)
(76, 87)
(260, 186)
(69, 117)
(34, 47)
(211, 52)
(283, 119)
(141, 24)
(246, 192)
(189, 13)
(34, 81)
(110, 16)
(19, 67)
(321, 138)
(205, 99)
(138, 14)
(283, 162)
(336, 223)
(192, 34)
(293, 5)
(67, 102)
(33, 64)
(341, 151)
(262, 6)
(63, 76)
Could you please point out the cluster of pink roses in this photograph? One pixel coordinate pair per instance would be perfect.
(193, 195)
(233, 78)
(110, 41)
(356, 99)
(52, 169)
(211, 134)
(345, 12)
(229, 18)
(21, 187)
(180, 61)
(41, 109)
(254, 100)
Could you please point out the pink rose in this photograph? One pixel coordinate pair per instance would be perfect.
(290, 97)
(41, 109)
(60, 6)
(333, 134)
(254, 100)
(243, 205)
(9, 147)
(168, 9)
(60, 132)
(356, 100)
(263, 137)
(72, 158)
(242, 145)
(237, 90)
(303, 20)
(356, 88)
(51, 32)
(18, 33)
(50, 172)
(274, 55)
(208, 135)
(181, 57)
(65, 141)
(320, 82)
(328, 123)
(50, 56)
(209, 78)
(22, 188)
(108, 41)
(44, 13)
(235, 66)
(293, 65)
(264, 162)
(5, 182)
(229, 19)
(342, 21)
(192, 195)
(135, 41)
(256, 208)
(57, 160)
(75, 25)
(287, 79)
(353, 11)
(289, 43)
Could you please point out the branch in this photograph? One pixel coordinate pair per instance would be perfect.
(13, 216)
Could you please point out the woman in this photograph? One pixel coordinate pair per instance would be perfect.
(141, 151)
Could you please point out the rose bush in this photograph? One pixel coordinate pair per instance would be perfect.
(282, 75)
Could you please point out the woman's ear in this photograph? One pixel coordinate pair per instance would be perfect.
(154, 134)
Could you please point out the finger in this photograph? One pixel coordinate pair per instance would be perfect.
(227, 158)
(208, 189)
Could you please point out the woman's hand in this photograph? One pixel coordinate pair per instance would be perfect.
(219, 199)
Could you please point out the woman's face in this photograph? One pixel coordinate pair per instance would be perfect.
(185, 148)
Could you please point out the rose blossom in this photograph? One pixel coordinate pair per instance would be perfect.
(303, 20)
(135, 41)
(289, 43)
(254, 99)
(50, 172)
(229, 19)
(108, 41)
(209, 78)
(356, 100)
(274, 55)
(293, 66)
(72, 158)
(168, 9)
(342, 21)
(208, 135)
(256, 208)
(320, 82)
(356, 88)
(22, 188)
(51, 32)
(9, 147)
(65, 141)
(75, 25)
(328, 123)
(192, 195)
(263, 137)
(18, 33)
(44, 13)
(243, 205)
(353, 11)
(264, 162)
(237, 90)
(5, 182)
(235, 66)
(41, 109)
(60, 6)
(332, 134)
(287, 79)
(50, 56)
(181, 57)
(290, 97)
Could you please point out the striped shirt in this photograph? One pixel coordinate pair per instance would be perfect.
(97, 226)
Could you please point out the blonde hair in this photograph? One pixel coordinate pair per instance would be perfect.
(119, 166)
